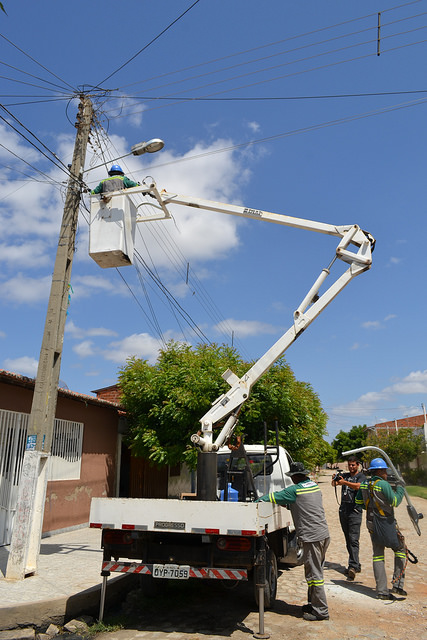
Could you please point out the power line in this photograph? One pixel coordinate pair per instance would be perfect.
(63, 167)
(28, 102)
(273, 98)
(28, 84)
(293, 132)
(36, 61)
(149, 43)
(186, 316)
(58, 86)
(288, 51)
(302, 35)
(30, 165)
(281, 77)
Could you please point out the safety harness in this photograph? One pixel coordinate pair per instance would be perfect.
(410, 557)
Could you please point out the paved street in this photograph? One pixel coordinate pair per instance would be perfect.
(199, 611)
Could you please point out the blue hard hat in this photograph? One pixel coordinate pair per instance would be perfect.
(116, 168)
(377, 463)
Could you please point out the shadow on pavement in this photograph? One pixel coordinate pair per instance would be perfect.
(205, 609)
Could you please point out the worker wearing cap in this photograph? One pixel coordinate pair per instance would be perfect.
(304, 499)
(115, 182)
(378, 497)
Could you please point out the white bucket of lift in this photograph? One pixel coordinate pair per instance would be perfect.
(112, 230)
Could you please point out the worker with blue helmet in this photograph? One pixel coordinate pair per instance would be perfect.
(379, 499)
(116, 181)
(377, 463)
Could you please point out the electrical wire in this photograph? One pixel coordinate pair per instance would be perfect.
(58, 86)
(308, 33)
(273, 98)
(63, 167)
(52, 180)
(156, 272)
(38, 63)
(293, 132)
(281, 77)
(288, 51)
(147, 317)
(30, 102)
(186, 316)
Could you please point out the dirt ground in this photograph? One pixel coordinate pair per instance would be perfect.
(201, 611)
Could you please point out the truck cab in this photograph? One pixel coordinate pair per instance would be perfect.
(252, 472)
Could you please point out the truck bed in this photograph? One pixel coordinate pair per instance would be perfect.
(188, 516)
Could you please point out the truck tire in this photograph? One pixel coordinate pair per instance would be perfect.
(270, 589)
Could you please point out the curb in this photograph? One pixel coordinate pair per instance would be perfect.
(60, 610)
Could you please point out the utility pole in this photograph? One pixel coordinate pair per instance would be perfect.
(27, 528)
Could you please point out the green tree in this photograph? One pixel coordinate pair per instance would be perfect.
(348, 440)
(165, 402)
(2, 7)
(401, 446)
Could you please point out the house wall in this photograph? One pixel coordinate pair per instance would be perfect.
(68, 501)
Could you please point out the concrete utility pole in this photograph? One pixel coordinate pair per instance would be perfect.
(27, 528)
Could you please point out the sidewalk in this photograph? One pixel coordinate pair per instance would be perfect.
(67, 584)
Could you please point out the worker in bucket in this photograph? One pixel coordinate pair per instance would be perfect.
(379, 499)
(304, 499)
(116, 181)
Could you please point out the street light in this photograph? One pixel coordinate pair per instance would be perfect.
(153, 145)
(147, 147)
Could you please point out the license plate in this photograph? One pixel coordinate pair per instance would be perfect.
(174, 571)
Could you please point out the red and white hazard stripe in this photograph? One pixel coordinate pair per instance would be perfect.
(205, 572)
(126, 567)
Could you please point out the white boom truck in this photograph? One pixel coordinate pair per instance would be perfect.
(211, 537)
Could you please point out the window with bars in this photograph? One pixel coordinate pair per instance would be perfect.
(66, 455)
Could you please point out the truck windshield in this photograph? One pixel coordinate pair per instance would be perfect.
(256, 461)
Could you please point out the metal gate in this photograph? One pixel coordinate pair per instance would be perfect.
(13, 432)
(64, 462)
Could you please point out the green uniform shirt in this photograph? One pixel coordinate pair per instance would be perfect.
(383, 495)
(304, 500)
(114, 183)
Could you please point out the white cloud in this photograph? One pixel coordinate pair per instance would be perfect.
(377, 324)
(415, 382)
(371, 324)
(2, 334)
(370, 402)
(25, 255)
(141, 345)
(254, 126)
(79, 333)
(24, 289)
(84, 349)
(127, 108)
(25, 366)
(85, 286)
(245, 328)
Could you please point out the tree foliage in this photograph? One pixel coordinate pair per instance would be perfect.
(348, 440)
(165, 402)
(401, 446)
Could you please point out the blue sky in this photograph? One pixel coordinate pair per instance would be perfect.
(289, 110)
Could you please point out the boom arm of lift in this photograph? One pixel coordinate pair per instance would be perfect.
(354, 248)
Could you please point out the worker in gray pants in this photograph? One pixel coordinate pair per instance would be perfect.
(304, 499)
